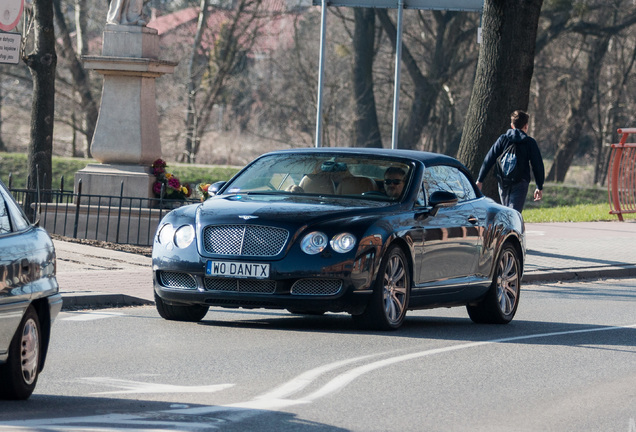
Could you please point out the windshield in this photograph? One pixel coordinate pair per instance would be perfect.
(357, 176)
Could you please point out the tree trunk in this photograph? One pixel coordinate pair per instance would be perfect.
(577, 115)
(365, 124)
(81, 27)
(80, 77)
(42, 63)
(3, 147)
(503, 77)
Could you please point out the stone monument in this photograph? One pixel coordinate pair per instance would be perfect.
(126, 139)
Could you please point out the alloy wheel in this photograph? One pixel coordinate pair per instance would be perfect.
(30, 351)
(395, 289)
(507, 282)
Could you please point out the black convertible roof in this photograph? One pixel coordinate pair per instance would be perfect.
(427, 158)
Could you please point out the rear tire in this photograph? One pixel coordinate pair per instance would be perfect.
(20, 373)
(390, 299)
(500, 303)
(191, 313)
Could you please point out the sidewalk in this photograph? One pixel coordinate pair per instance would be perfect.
(92, 277)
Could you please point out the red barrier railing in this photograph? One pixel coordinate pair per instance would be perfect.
(621, 184)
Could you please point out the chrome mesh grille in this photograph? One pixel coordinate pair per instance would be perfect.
(177, 280)
(240, 285)
(316, 287)
(250, 240)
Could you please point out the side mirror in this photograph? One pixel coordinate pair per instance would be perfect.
(441, 199)
(215, 187)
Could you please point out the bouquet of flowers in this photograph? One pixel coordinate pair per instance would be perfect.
(173, 189)
(203, 190)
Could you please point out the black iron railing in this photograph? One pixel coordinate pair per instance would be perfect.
(117, 219)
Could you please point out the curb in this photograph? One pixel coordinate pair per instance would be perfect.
(101, 301)
(585, 273)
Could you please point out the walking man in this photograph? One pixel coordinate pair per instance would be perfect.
(521, 152)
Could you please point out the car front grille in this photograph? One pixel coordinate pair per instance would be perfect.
(316, 287)
(248, 240)
(177, 280)
(240, 285)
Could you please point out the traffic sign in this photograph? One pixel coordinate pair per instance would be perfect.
(10, 47)
(10, 13)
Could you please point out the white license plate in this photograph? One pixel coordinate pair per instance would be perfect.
(237, 269)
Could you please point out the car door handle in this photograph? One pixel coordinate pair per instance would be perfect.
(473, 220)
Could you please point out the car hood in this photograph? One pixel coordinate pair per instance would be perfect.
(282, 208)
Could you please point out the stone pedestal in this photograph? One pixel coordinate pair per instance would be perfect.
(106, 179)
(126, 139)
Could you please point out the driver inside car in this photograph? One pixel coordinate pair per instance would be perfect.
(394, 181)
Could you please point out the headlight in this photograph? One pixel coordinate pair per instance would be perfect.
(184, 236)
(314, 242)
(166, 233)
(343, 242)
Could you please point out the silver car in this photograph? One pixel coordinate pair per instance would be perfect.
(29, 299)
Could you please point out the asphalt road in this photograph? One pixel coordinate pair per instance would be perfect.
(566, 363)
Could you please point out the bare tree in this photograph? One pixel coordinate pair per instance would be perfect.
(442, 60)
(196, 65)
(366, 130)
(42, 62)
(80, 77)
(606, 22)
(228, 45)
(612, 111)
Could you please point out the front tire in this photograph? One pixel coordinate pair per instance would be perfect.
(20, 373)
(501, 301)
(390, 299)
(191, 313)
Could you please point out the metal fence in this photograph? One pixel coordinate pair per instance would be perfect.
(117, 219)
(621, 183)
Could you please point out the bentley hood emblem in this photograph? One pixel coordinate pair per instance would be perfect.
(248, 217)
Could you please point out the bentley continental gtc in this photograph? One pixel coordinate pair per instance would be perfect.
(370, 232)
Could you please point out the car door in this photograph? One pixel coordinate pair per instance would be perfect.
(450, 239)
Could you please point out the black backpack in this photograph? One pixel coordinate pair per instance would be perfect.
(508, 166)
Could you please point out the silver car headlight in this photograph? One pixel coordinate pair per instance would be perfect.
(183, 236)
(343, 242)
(166, 234)
(314, 242)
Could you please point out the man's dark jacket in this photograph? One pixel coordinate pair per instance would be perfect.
(527, 153)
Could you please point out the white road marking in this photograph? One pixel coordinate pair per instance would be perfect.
(88, 316)
(273, 400)
(129, 387)
(535, 233)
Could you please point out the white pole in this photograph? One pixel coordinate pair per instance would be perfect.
(321, 71)
(398, 61)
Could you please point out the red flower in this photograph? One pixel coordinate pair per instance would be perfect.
(174, 183)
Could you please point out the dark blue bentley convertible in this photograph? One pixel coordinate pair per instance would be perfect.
(371, 232)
